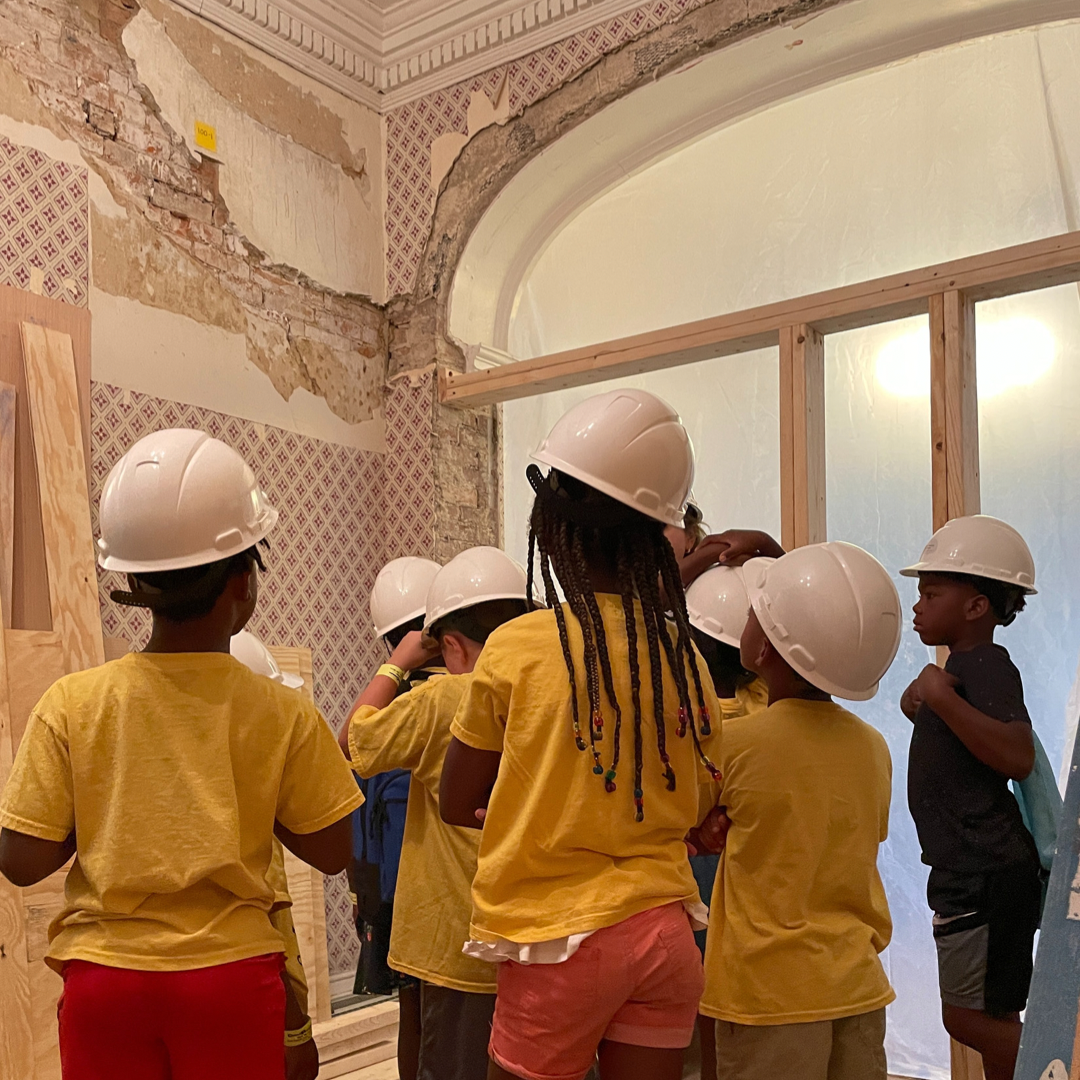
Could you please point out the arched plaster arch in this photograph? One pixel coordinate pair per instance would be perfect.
(514, 187)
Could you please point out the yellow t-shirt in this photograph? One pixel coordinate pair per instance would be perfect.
(172, 768)
(799, 912)
(438, 861)
(751, 698)
(559, 855)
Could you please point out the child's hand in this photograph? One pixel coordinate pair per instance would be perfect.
(933, 684)
(711, 835)
(910, 700)
(739, 545)
(414, 651)
(302, 1062)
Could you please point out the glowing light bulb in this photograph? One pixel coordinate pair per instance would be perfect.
(1010, 352)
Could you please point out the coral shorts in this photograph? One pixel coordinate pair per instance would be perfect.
(637, 982)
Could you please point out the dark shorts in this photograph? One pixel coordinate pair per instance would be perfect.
(704, 868)
(455, 1027)
(984, 929)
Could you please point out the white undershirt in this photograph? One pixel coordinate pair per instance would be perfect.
(557, 950)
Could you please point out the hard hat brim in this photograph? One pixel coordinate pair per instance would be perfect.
(473, 601)
(552, 461)
(391, 626)
(699, 624)
(930, 566)
(815, 678)
(199, 558)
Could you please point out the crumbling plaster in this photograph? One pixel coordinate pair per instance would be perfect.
(311, 357)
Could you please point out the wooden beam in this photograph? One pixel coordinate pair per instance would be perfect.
(954, 407)
(1036, 265)
(802, 436)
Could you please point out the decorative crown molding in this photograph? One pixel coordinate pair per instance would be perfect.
(386, 57)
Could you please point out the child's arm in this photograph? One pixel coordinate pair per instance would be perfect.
(26, 860)
(468, 776)
(1006, 746)
(301, 1061)
(412, 652)
(328, 850)
(730, 548)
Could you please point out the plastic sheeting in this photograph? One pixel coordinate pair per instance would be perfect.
(959, 151)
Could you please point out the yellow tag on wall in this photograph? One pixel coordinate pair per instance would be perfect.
(206, 137)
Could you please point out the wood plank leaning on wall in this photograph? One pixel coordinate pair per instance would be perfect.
(54, 585)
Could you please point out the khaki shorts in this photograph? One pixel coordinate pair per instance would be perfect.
(849, 1049)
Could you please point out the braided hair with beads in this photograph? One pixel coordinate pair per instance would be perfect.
(573, 527)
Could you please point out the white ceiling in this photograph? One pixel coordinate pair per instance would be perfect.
(384, 53)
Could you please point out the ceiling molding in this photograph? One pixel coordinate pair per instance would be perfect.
(388, 56)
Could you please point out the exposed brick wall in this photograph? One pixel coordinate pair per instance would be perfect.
(71, 56)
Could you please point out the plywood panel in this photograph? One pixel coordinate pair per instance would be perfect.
(16, 1029)
(65, 498)
(306, 883)
(30, 596)
(36, 661)
(7, 497)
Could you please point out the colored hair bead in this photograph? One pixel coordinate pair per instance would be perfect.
(598, 769)
(580, 742)
(609, 786)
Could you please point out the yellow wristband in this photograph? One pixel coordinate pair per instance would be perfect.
(352, 898)
(299, 1036)
(392, 671)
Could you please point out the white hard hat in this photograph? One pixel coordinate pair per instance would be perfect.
(718, 605)
(474, 577)
(179, 498)
(399, 594)
(253, 654)
(980, 546)
(630, 445)
(832, 612)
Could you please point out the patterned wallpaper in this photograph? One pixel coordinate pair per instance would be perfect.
(412, 128)
(409, 503)
(44, 224)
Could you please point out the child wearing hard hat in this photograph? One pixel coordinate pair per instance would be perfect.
(397, 609)
(302, 1059)
(583, 740)
(717, 605)
(971, 734)
(475, 593)
(167, 774)
(799, 914)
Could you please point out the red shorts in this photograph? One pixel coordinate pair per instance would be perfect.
(215, 1023)
(637, 982)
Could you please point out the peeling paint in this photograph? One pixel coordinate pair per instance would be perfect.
(303, 210)
(173, 356)
(133, 260)
(276, 96)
